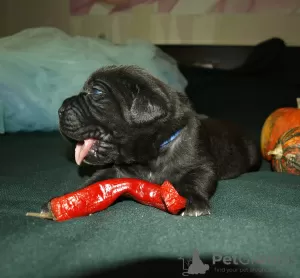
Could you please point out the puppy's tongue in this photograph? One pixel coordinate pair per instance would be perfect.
(82, 150)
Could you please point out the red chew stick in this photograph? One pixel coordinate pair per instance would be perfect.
(101, 195)
(173, 201)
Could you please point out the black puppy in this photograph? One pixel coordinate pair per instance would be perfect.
(128, 119)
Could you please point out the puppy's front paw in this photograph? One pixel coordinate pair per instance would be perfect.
(196, 209)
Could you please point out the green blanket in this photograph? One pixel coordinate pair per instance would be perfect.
(254, 223)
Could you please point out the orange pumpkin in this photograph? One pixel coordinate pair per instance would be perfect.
(278, 122)
(286, 154)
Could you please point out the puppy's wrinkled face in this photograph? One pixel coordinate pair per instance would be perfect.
(121, 116)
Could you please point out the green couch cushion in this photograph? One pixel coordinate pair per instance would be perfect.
(255, 216)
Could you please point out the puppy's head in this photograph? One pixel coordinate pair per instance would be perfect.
(122, 115)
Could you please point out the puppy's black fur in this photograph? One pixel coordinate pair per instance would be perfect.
(131, 114)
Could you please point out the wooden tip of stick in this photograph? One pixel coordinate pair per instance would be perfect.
(40, 215)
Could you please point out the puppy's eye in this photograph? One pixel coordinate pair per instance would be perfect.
(96, 91)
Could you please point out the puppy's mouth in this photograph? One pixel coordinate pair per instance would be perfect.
(83, 149)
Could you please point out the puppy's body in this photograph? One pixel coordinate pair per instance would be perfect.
(132, 118)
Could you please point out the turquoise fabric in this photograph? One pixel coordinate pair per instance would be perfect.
(2, 128)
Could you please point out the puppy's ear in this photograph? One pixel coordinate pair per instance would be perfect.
(146, 109)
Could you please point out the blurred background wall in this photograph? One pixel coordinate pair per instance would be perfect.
(219, 32)
(187, 22)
